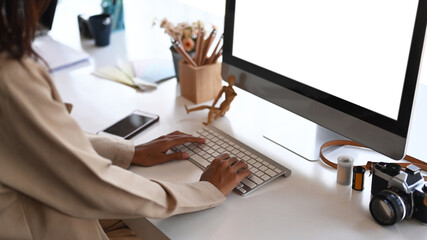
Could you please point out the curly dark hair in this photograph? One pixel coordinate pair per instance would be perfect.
(18, 24)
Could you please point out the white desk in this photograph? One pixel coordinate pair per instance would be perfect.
(308, 204)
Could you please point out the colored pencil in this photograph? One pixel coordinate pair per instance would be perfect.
(178, 47)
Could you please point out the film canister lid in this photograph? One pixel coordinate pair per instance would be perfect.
(358, 178)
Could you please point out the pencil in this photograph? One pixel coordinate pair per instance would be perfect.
(201, 37)
(198, 45)
(210, 59)
(207, 45)
(217, 55)
(178, 47)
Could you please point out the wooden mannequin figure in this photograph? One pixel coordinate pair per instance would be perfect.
(220, 111)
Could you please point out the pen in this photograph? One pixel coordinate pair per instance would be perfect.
(178, 47)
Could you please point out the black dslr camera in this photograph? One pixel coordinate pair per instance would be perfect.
(398, 194)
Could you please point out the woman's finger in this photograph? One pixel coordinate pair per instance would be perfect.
(239, 165)
(178, 133)
(181, 140)
(232, 161)
(220, 158)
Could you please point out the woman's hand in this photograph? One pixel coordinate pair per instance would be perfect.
(154, 152)
(225, 173)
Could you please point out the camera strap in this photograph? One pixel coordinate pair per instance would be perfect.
(369, 165)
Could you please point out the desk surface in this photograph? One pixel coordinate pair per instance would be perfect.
(308, 199)
(309, 203)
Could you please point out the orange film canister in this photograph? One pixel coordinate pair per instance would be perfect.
(358, 178)
(425, 190)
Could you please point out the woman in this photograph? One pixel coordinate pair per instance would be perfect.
(56, 182)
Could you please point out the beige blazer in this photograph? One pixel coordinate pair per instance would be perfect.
(55, 181)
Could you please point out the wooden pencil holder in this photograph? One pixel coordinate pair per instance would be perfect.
(200, 84)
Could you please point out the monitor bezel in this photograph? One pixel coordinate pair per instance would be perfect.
(357, 113)
(46, 19)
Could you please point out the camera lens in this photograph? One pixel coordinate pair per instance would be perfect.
(388, 207)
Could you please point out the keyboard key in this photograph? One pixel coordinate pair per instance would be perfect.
(271, 172)
(235, 152)
(242, 190)
(255, 179)
(265, 177)
(200, 160)
(248, 183)
(179, 147)
(190, 152)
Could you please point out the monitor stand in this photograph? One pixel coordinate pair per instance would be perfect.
(298, 134)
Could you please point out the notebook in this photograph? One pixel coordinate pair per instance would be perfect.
(56, 54)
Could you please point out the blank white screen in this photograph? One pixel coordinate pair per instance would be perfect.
(356, 50)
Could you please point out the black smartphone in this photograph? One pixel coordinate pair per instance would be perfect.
(131, 124)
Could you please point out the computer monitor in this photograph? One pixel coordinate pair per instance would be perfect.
(46, 20)
(350, 66)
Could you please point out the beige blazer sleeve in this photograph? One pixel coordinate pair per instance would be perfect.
(46, 156)
(119, 151)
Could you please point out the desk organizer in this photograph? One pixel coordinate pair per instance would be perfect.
(200, 84)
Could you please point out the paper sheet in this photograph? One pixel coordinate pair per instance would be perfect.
(143, 74)
(153, 70)
(56, 54)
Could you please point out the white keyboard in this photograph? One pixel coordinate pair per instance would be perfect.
(217, 142)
